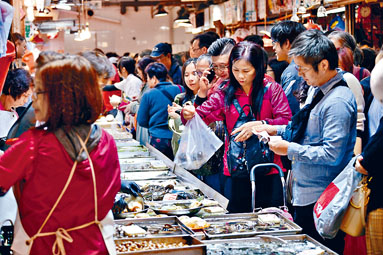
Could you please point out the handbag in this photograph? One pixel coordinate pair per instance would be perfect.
(242, 156)
(354, 220)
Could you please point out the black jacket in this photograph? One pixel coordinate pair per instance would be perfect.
(372, 162)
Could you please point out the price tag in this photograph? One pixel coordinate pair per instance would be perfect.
(170, 197)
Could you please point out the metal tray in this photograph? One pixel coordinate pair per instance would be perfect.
(268, 239)
(195, 247)
(147, 222)
(155, 204)
(291, 227)
(136, 160)
(148, 175)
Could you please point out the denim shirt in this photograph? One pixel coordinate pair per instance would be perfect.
(327, 145)
(291, 82)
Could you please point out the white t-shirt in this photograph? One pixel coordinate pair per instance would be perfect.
(131, 87)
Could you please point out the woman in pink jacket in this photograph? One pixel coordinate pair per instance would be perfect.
(65, 172)
(266, 101)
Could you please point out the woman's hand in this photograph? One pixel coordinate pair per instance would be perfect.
(172, 111)
(271, 130)
(188, 112)
(245, 131)
(279, 147)
(204, 84)
(359, 167)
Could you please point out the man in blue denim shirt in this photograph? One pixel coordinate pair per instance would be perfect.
(328, 141)
(283, 35)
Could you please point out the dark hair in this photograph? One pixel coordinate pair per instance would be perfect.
(204, 40)
(221, 46)
(17, 82)
(286, 30)
(369, 59)
(278, 68)
(143, 63)
(111, 54)
(346, 59)
(100, 63)
(314, 46)
(158, 70)
(188, 92)
(128, 63)
(73, 93)
(47, 56)
(254, 54)
(358, 56)
(346, 39)
(255, 39)
(126, 54)
(213, 35)
(17, 37)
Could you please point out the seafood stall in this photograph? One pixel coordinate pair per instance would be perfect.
(179, 214)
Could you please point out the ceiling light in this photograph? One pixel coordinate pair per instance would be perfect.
(160, 11)
(321, 12)
(183, 16)
(185, 24)
(301, 8)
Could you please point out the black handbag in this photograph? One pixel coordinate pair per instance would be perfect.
(242, 156)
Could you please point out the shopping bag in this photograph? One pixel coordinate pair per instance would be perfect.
(198, 143)
(331, 205)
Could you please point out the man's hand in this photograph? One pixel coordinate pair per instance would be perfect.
(279, 147)
(245, 131)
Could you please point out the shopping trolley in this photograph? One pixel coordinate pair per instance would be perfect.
(283, 208)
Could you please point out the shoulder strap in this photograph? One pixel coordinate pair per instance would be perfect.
(361, 73)
(179, 86)
(166, 94)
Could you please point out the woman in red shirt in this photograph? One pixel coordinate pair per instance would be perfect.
(66, 172)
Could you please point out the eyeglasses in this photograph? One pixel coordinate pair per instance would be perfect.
(36, 93)
(194, 49)
(219, 67)
(302, 69)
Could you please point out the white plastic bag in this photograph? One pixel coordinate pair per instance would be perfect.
(332, 204)
(198, 143)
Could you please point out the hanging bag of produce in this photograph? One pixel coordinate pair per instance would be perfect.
(331, 205)
(198, 143)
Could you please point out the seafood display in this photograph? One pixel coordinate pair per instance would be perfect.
(164, 226)
(249, 224)
(164, 245)
(268, 245)
(194, 223)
